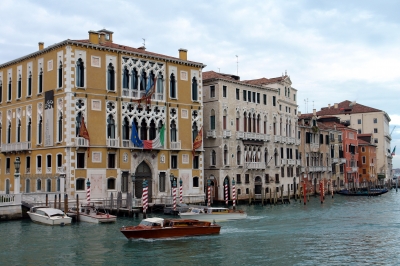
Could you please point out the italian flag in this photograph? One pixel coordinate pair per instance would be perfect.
(156, 143)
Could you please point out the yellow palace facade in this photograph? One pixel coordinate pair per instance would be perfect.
(117, 93)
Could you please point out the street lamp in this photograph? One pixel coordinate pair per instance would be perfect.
(17, 165)
(180, 182)
(133, 184)
(174, 183)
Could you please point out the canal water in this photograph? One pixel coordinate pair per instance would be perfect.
(342, 231)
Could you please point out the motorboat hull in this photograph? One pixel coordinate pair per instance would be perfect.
(170, 232)
(50, 221)
(370, 193)
(97, 218)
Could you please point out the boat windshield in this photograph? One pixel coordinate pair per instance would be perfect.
(196, 210)
(148, 223)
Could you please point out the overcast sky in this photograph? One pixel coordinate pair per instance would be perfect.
(332, 50)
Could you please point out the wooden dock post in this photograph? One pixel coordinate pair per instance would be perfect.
(270, 196)
(288, 193)
(59, 201)
(47, 200)
(77, 207)
(55, 201)
(262, 197)
(65, 203)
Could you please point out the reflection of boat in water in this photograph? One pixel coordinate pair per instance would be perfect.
(371, 192)
(49, 216)
(90, 214)
(213, 214)
(164, 228)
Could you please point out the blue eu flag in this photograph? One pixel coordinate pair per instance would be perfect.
(135, 137)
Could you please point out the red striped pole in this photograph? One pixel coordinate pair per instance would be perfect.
(233, 194)
(88, 192)
(180, 191)
(144, 197)
(209, 196)
(226, 193)
(174, 195)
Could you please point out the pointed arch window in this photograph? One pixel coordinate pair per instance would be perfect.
(40, 85)
(110, 127)
(29, 84)
(152, 131)
(18, 130)
(160, 87)
(239, 156)
(212, 120)
(60, 74)
(172, 86)
(143, 83)
(80, 73)
(134, 82)
(29, 130)
(9, 132)
(1, 91)
(125, 128)
(19, 88)
(173, 131)
(125, 78)
(78, 123)
(195, 131)
(143, 130)
(213, 158)
(59, 127)
(226, 159)
(9, 90)
(40, 127)
(110, 77)
(38, 185)
(194, 89)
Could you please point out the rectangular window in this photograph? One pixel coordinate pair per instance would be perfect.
(246, 178)
(161, 181)
(244, 95)
(224, 91)
(80, 160)
(254, 96)
(375, 130)
(8, 165)
(375, 120)
(258, 97)
(48, 160)
(265, 99)
(28, 165)
(376, 140)
(212, 91)
(359, 121)
(238, 179)
(174, 161)
(267, 178)
(249, 96)
(111, 160)
(196, 162)
(237, 94)
(363, 160)
(273, 100)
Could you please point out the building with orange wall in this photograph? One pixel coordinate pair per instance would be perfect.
(367, 158)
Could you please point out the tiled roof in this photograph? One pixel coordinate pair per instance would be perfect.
(131, 49)
(264, 81)
(346, 107)
(214, 75)
(363, 142)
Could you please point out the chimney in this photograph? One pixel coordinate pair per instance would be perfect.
(142, 48)
(183, 54)
(41, 46)
(102, 37)
(336, 105)
(329, 106)
(93, 37)
(314, 111)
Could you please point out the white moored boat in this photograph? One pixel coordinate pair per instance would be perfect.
(90, 214)
(213, 214)
(49, 216)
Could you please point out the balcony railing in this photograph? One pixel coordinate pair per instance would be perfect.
(10, 199)
(227, 134)
(81, 142)
(175, 145)
(48, 170)
(16, 146)
(267, 137)
(211, 134)
(298, 162)
(249, 135)
(239, 134)
(342, 160)
(38, 170)
(302, 169)
(283, 139)
(112, 143)
(126, 143)
(314, 146)
(335, 160)
(255, 165)
(60, 170)
(290, 140)
(291, 162)
(297, 142)
(277, 138)
(283, 161)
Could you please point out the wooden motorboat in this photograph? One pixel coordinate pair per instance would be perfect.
(213, 214)
(371, 192)
(165, 228)
(90, 214)
(48, 216)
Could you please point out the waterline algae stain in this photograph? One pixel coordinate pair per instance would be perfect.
(342, 231)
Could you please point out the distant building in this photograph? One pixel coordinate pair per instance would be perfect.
(367, 158)
(49, 96)
(367, 120)
(250, 130)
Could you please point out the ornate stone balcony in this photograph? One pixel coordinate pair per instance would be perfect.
(255, 165)
(227, 134)
(81, 142)
(16, 146)
(175, 145)
(211, 134)
(113, 143)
